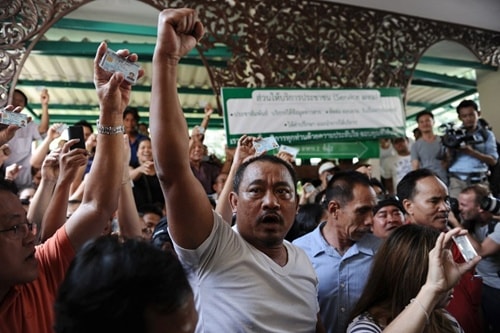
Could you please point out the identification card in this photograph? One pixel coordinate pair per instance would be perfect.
(112, 62)
(13, 118)
(265, 144)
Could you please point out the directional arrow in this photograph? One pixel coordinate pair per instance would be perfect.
(347, 149)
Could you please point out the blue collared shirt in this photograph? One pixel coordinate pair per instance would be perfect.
(341, 278)
(465, 163)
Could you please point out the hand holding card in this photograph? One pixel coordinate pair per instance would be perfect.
(265, 144)
(13, 118)
(112, 62)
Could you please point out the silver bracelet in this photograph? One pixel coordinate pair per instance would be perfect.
(110, 130)
(423, 309)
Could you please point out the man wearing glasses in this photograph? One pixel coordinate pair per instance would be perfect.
(30, 275)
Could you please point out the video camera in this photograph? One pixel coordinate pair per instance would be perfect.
(456, 137)
(491, 204)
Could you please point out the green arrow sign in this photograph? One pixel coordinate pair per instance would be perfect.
(347, 149)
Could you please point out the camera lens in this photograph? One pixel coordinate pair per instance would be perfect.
(491, 204)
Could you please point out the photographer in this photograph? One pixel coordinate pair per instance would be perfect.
(469, 161)
(477, 209)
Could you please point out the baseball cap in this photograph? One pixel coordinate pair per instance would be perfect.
(390, 200)
(160, 233)
(325, 167)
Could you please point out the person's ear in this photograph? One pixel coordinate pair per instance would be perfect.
(408, 206)
(233, 200)
(333, 207)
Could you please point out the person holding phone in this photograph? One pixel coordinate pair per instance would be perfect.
(410, 283)
(426, 201)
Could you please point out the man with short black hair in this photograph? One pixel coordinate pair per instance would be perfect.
(425, 199)
(342, 248)
(388, 214)
(428, 151)
(130, 122)
(470, 161)
(21, 143)
(245, 278)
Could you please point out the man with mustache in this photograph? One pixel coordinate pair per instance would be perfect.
(342, 248)
(246, 279)
(426, 201)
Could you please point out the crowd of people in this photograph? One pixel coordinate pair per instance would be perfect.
(129, 235)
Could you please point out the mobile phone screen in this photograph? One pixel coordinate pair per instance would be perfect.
(465, 247)
(76, 132)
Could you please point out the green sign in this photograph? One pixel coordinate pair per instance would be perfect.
(313, 117)
(347, 149)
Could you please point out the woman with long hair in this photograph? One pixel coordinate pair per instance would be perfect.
(410, 284)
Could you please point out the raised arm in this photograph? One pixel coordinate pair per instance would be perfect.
(442, 276)
(43, 194)
(244, 150)
(44, 121)
(42, 150)
(128, 217)
(102, 186)
(189, 211)
(206, 118)
(69, 162)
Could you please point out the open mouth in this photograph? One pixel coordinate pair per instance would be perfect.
(271, 218)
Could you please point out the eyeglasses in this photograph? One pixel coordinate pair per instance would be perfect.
(19, 231)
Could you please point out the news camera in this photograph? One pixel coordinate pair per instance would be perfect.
(456, 137)
(491, 204)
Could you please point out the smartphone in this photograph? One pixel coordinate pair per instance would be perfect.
(76, 132)
(465, 247)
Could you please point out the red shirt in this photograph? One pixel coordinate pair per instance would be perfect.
(466, 303)
(29, 307)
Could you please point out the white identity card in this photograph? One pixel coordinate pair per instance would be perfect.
(265, 144)
(13, 118)
(112, 62)
(289, 150)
